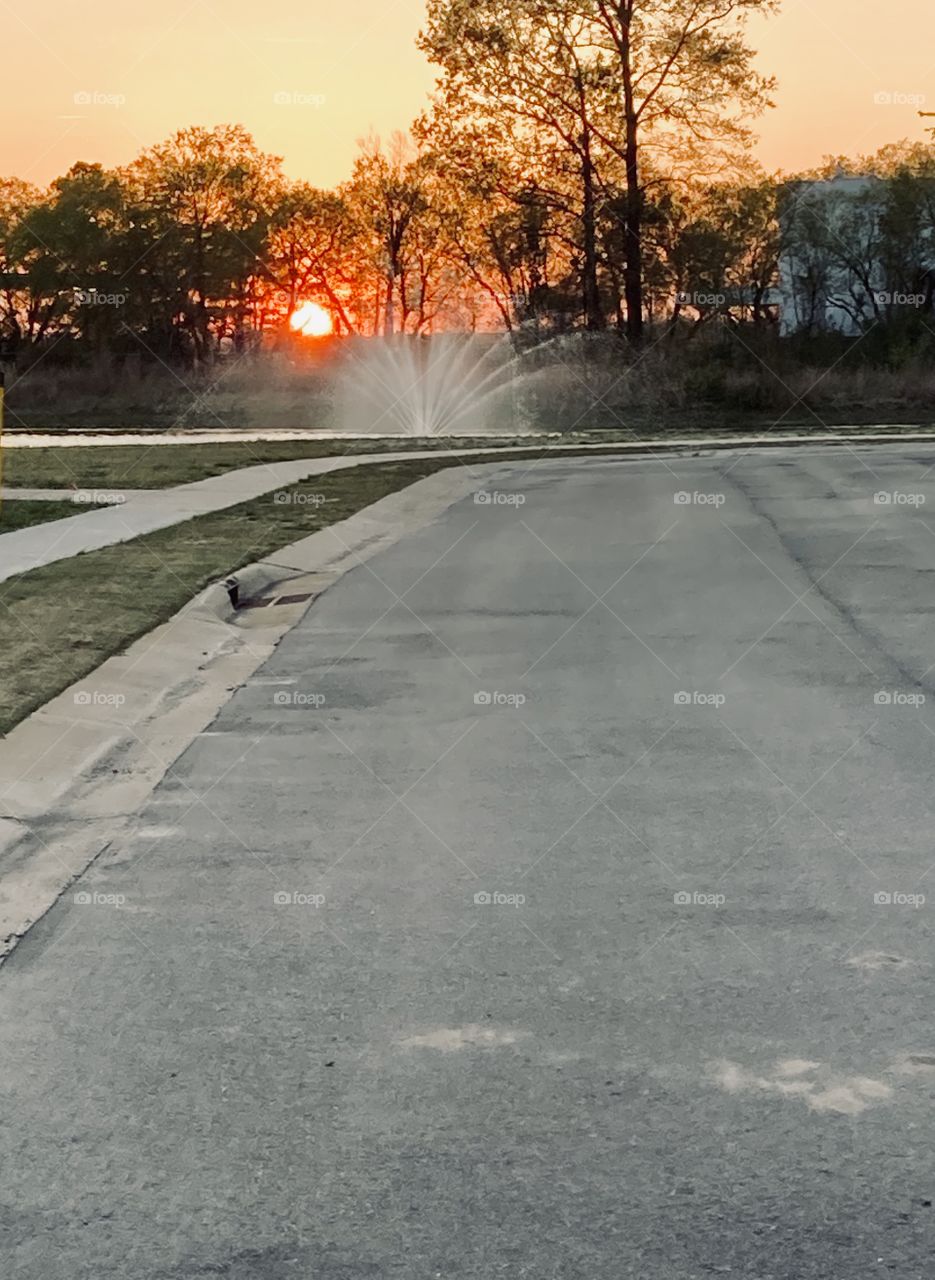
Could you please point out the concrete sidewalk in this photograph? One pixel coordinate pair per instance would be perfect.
(149, 509)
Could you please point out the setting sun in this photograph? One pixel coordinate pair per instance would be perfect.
(311, 320)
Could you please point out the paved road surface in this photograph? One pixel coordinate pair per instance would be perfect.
(583, 1075)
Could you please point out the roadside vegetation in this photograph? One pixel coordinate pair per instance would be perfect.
(144, 466)
(20, 513)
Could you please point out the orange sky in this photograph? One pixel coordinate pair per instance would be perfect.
(309, 78)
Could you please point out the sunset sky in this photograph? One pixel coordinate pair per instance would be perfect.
(308, 78)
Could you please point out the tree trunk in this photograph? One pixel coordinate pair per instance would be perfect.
(633, 210)
(593, 311)
(389, 311)
(633, 232)
(337, 305)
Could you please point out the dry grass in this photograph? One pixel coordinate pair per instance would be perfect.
(722, 385)
(109, 392)
(719, 377)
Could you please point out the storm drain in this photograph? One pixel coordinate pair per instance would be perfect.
(262, 602)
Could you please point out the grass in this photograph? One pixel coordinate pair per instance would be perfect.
(62, 620)
(718, 378)
(22, 513)
(118, 468)
(111, 391)
(142, 466)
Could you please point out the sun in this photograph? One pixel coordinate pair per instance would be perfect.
(311, 320)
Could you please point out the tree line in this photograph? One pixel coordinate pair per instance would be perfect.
(583, 164)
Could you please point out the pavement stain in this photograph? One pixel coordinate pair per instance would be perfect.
(916, 1064)
(820, 1087)
(873, 960)
(472, 1036)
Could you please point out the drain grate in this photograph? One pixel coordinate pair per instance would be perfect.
(262, 602)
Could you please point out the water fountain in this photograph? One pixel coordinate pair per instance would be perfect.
(448, 384)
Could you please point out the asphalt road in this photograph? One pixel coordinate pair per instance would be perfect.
(585, 707)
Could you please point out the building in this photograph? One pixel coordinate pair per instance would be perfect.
(831, 274)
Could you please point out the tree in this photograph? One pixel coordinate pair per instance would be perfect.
(386, 196)
(522, 93)
(723, 247)
(312, 253)
(688, 84)
(74, 249)
(25, 314)
(506, 221)
(202, 205)
(907, 232)
(606, 80)
(503, 246)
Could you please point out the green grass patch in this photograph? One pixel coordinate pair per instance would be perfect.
(17, 513)
(143, 466)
